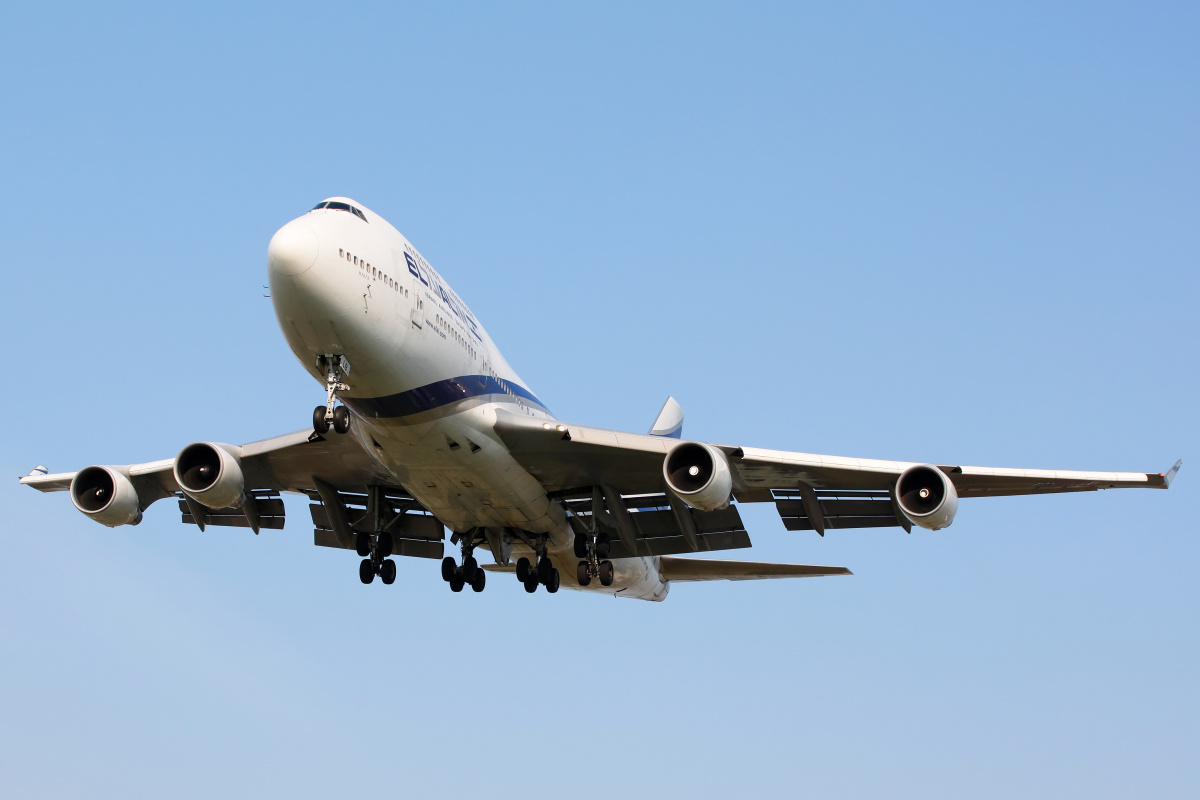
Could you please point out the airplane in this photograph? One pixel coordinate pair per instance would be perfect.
(425, 427)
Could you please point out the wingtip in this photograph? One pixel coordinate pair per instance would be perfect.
(1170, 474)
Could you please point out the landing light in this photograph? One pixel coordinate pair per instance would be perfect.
(562, 428)
(547, 425)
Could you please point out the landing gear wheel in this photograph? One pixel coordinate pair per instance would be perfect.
(479, 581)
(531, 584)
(580, 546)
(320, 424)
(383, 545)
(469, 568)
(448, 568)
(457, 583)
(523, 570)
(387, 572)
(582, 575)
(341, 419)
(606, 573)
(544, 569)
(602, 546)
(552, 584)
(362, 544)
(366, 571)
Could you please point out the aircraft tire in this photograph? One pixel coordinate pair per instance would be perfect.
(383, 545)
(320, 424)
(366, 571)
(606, 573)
(544, 569)
(553, 584)
(580, 546)
(448, 568)
(457, 583)
(469, 568)
(341, 419)
(581, 574)
(388, 572)
(479, 581)
(362, 544)
(531, 584)
(523, 569)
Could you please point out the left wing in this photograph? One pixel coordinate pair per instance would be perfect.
(811, 492)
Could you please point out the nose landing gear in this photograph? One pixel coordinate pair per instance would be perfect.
(336, 367)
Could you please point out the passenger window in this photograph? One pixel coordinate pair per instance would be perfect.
(340, 253)
(356, 261)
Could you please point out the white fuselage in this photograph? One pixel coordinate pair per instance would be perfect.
(425, 379)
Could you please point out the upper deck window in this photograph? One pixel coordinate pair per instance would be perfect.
(338, 206)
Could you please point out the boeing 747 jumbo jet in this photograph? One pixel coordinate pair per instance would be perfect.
(425, 427)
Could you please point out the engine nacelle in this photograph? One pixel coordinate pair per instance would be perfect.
(107, 496)
(210, 475)
(700, 475)
(927, 497)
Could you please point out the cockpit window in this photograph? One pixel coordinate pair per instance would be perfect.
(337, 206)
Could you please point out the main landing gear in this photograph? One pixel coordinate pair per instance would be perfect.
(593, 551)
(336, 367)
(544, 573)
(469, 574)
(376, 550)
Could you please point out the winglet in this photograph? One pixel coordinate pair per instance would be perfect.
(669, 422)
(1172, 472)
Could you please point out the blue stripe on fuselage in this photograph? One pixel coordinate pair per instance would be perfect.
(437, 394)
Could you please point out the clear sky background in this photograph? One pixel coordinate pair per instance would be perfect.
(911, 231)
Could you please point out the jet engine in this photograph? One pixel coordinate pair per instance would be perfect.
(106, 496)
(210, 475)
(927, 497)
(700, 475)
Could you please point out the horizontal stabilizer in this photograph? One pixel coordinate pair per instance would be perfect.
(674, 568)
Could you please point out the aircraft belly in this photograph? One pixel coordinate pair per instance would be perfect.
(460, 471)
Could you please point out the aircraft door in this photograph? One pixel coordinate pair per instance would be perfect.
(417, 315)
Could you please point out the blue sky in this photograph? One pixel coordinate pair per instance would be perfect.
(930, 232)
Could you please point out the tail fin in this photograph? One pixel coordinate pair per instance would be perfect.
(669, 422)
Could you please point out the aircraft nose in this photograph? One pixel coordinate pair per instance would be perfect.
(293, 249)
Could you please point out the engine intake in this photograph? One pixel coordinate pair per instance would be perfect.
(700, 475)
(210, 475)
(927, 497)
(106, 496)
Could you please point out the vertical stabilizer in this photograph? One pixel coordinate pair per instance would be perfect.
(670, 420)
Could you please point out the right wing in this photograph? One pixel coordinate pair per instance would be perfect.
(351, 491)
(286, 463)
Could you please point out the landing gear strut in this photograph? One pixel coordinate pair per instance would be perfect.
(336, 367)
